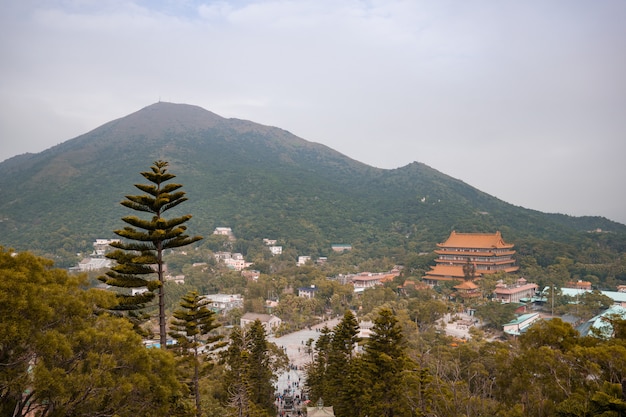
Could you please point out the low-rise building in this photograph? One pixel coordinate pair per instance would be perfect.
(307, 292)
(223, 303)
(518, 292)
(269, 321)
(366, 280)
(340, 247)
(302, 260)
(93, 264)
(579, 285)
(601, 326)
(521, 324)
(276, 250)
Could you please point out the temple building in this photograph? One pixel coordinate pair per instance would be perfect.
(467, 256)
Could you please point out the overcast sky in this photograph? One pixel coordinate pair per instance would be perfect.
(525, 100)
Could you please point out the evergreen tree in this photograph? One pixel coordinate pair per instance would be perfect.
(140, 254)
(344, 340)
(251, 372)
(190, 328)
(316, 370)
(385, 360)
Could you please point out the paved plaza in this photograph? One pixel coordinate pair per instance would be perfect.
(292, 382)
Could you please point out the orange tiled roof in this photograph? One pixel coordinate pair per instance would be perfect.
(515, 290)
(452, 271)
(475, 240)
(466, 285)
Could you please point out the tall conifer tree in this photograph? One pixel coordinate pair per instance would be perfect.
(385, 359)
(250, 376)
(191, 328)
(344, 339)
(139, 255)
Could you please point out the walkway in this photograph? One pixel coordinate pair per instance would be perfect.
(291, 383)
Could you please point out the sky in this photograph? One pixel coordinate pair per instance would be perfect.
(524, 100)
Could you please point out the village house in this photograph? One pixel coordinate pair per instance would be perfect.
(93, 264)
(269, 321)
(302, 260)
(340, 247)
(579, 285)
(519, 292)
(232, 260)
(224, 231)
(307, 292)
(251, 275)
(276, 250)
(484, 253)
(223, 303)
(366, 280)
(102, 246)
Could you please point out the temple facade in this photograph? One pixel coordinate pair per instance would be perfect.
(466, 256)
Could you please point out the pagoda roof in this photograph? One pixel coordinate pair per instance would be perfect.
(449, 271)
(475, 241)
(466, 285)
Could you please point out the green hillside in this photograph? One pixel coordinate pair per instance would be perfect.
(262, 182)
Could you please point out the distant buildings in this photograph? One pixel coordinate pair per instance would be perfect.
(93, 264)
(340, 247)
(270, 322)
(232, 260)
(97, 259)
(302, 260)
(520, 291)
(223, 303)
(366, 280)
(481, 253)
(307, 292)
(224, 231)
(521, 324)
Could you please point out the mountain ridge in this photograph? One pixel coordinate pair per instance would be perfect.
(259, 179)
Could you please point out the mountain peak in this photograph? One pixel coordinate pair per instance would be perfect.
(170, 116)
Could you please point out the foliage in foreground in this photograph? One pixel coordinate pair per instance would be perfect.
(61, 355)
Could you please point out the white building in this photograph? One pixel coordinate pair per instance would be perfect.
(93, 264)
(276, 250)
(269, 321)
(101, 246)
(302, 260)
(222, 303)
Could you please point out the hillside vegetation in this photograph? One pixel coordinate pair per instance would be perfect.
(262, 182)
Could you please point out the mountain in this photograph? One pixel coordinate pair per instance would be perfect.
(263, 182)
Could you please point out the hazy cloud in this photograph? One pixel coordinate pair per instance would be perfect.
(523, 100)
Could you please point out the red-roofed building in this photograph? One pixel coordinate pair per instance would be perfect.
(366, 280)
(467, 289)
(579, 285)
(487, 253)
(514, 293)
